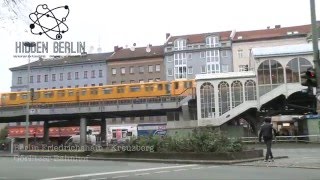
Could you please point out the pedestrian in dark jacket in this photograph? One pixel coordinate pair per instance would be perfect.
(266, 133)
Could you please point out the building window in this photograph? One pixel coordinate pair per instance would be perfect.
(85, 74)
(100, 84)
(122, 82)
(85, 85)
(212, 41)
(224, 53)
(53, 87)
(46, 78)
(157, 79)
(213, 61)
(69, 75)
(76, 74)
(76, 86)
(224, 97)
(113, 82)
(141, 81)
(150, 80)
(240, 53)
(53, 77)
(203, 55)
(180, 44)
(93, 85)
(203, 69)
(190, 70)
(180, 65)
(131, 81)
(237, 93)
(150, 68)
(123, 70)
(100, 73)
(19, 80)
(61, 87)
(131, 69)
(207, 100)
(69, 86)
(141, 69)
(243, 68)
(31, 79)
(158, 68)
(190, 56)
(93, 74)
(38, 78)
(169, 58)
(114, 71)
(170, 73)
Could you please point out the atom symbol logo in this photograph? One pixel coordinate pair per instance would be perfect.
(54, 22)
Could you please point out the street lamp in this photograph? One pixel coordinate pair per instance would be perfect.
(29, 45)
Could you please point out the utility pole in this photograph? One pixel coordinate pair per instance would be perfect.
(29, 45)
(315, 50)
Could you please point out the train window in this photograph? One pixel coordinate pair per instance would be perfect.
(187, 84)
(83, 92)
(48, 94)
(13, 96)
(135, 88)
(149, 88)
(61, 93)
(129, 134)
(24, 96)
(160, 87)
(36, 95)
(107, 90)
(71, 93)
(120, 89)
(176, 85)
(168, 88)
(94, 91)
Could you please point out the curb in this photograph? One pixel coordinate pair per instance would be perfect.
(175, 161)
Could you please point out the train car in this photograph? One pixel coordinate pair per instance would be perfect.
(98, 93)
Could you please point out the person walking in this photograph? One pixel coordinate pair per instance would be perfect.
(266, 132)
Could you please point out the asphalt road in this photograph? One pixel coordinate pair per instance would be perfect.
(58, 169)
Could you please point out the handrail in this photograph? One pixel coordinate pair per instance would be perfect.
(315, 138)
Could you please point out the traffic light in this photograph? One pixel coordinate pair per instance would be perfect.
(309, 78)
(32, 94)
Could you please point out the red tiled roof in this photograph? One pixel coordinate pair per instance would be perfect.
(302, 30)
(200, 38)
(139, 52)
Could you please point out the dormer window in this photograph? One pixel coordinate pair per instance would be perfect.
(212, 41)
(180, 44)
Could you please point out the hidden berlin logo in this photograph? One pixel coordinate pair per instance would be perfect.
(51, 23)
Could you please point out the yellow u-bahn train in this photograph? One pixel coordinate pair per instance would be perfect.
(98, 93)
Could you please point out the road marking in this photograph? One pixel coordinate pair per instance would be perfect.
(180, 170)
(99, 179)
(141, 174)
(158, 172)
(212, 166)
(118, 172)
(116, 177)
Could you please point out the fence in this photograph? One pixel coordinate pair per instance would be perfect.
(296, 139)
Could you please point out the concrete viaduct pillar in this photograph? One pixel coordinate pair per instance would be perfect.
(83, 131)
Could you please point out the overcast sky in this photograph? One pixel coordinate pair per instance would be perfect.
(124, 22)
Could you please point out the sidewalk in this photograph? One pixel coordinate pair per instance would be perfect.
(300, 156)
